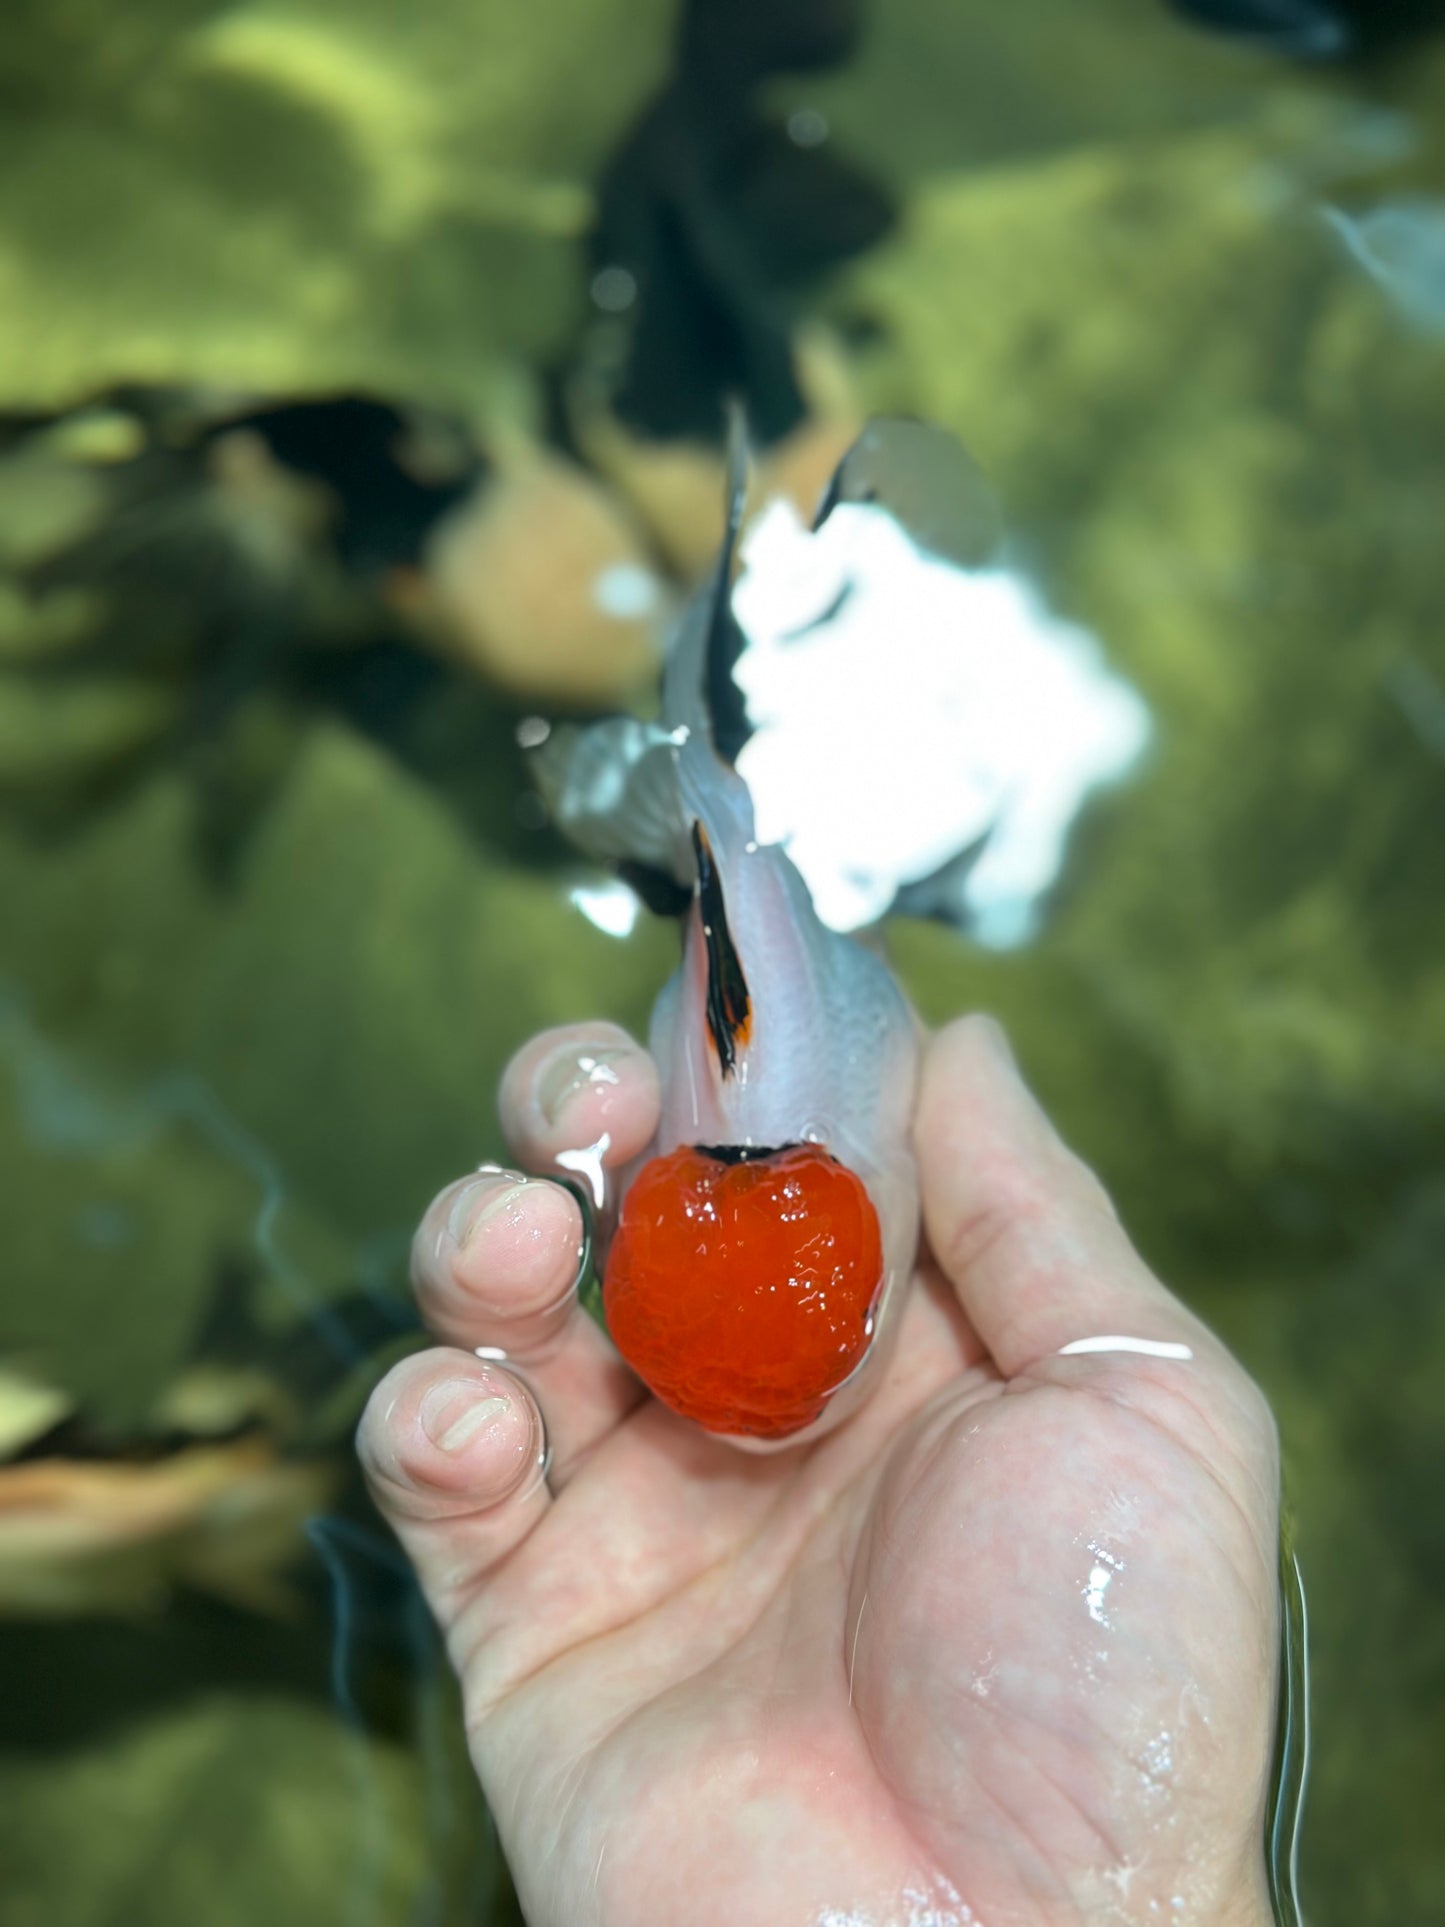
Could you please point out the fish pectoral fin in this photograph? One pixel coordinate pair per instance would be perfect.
(927, 482)
(728, 1003)
(611, 789)
(940, 896)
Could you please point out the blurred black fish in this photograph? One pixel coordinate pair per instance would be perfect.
(1311, 29)
(388, 494)
(1316, 29)
(242, 552)
(713, 217)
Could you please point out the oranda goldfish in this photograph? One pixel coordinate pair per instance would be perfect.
(763, 1247)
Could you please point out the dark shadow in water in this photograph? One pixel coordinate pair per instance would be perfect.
(712, 218)
(1317, 29)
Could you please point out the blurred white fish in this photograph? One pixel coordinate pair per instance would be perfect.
(935, 710)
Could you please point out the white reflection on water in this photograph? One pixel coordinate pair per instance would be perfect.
(933, 704)
(609, 907)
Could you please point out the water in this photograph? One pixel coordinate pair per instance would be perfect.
(279, 901)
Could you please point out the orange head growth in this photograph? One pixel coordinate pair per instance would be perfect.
(741, 1283)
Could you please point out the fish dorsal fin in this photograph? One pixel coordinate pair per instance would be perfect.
(735, 502)
(700, 661)
(927, 481)
(728, 1004)
(627, 791)
(727, 712)
(940, 895)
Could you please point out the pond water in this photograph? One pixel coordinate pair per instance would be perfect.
(361, 404)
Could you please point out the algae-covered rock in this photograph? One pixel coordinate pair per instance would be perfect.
(135, 1198)
(938, 89)
(276, 1072)
(47, 501)
(233, 1808)
(1353, 1358)
(29, 1408)
(303, 199)
(58, 736)
(80, 1537)
(1058, 305)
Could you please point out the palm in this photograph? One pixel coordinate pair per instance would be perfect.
(745, 1655)
(1000, 1648)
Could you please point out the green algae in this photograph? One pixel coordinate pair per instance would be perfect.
(363, 950)
(162, 1045)
(241, 1805)
(304, 199)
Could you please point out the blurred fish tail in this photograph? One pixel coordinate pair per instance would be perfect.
(631, 792)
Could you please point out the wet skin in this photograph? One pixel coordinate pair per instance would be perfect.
(1000, 1650)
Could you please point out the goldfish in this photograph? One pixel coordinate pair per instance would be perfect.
(765, 1240)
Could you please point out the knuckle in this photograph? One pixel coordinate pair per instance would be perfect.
(1005, 1198)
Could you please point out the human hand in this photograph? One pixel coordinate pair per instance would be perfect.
(1001, 1649)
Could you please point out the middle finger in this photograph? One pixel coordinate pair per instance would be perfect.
(496, 1265)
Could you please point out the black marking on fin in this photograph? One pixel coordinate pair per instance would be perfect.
(727, 712)
(729, 1008)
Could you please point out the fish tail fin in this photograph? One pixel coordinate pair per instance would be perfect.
(704, 641)
(631, 792)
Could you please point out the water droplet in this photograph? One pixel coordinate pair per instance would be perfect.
(807, 127)
(614, 289)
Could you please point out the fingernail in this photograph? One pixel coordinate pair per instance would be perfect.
(453, 1412)
(481, 1200)
(572, 1070)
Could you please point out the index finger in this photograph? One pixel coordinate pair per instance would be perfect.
(582, 1098)
(1020, 1226)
